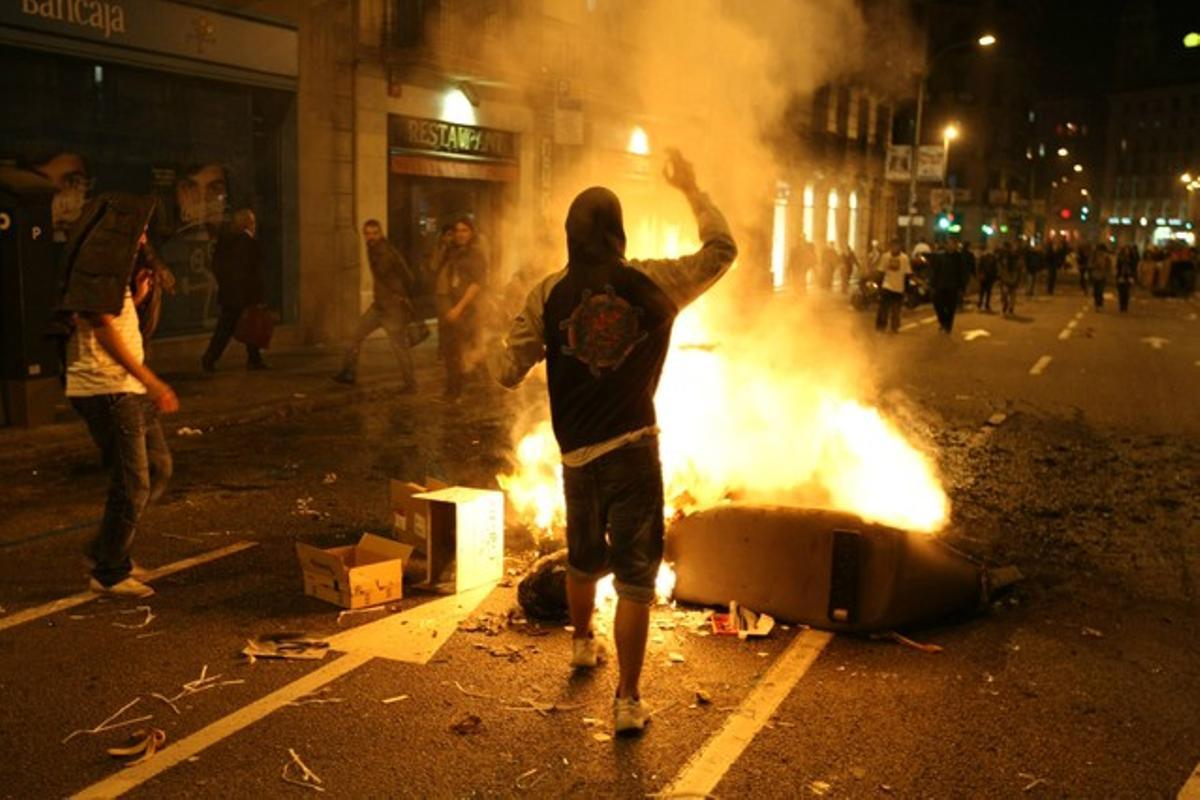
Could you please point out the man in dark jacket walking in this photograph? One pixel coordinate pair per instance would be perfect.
(945, 282)
(391, 309)
(237, 264)
(604, 326)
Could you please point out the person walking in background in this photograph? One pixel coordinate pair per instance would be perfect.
(1102, 270)
(967, 265)
(1081, 259)
(459, 283)
(804, 256)
(987, 279)
(945, 282)
(1054, 262)
(238, 265)
(896, 270)
(849, 267)
(603, 325)
(1034, 261)
(1127, 267)
(391, 308)
(109, 385)
(1010, 271)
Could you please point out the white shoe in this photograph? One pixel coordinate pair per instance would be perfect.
(588, 653)
(629, 715)
(130, 587)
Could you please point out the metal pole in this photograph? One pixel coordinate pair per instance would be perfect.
(912, 181)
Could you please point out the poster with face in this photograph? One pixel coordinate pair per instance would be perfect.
(202, 195)
(69, 173)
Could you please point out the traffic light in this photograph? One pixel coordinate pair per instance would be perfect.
(949, 222)
(1083, 213)
(1064, 212)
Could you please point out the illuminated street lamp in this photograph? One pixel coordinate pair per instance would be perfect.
(1063, 152)
(1078, 167)
(949, 134)
(986, 40)
(1185, 177)
(1191, 40)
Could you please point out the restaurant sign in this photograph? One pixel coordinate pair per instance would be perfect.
(434, 137)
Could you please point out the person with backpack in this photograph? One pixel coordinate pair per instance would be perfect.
(391, 309)
(108, 275)
(603, 325)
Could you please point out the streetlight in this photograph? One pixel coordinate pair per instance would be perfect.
(1078, 168)
(1185, 177)
(949, 134)
(1191, 40)
(1063, 152)
(986, 40)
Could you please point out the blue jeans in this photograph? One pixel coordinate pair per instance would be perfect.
(615, 519)
(132, 447)
(395, 324)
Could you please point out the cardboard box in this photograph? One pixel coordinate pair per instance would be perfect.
(410, 518)
(464, 537)
(356, 576)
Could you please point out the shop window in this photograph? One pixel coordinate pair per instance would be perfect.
(806, 219)
(831, 227)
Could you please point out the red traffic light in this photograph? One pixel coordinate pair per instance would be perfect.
(1065, 213)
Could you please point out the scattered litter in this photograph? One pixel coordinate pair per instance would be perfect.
(1093, 632)
(203, 683)
(675, 657)
(317, 698)
(601, 736)
(997, 419)
(763, 654)
(658, 639)
(703, 698)
(308, 779)
(80, 616)
(110, 723)
(285, 645)
(509, 652)
(330, 477)
(469, 693)
(524, 784)
(977, 333)
(819, 787)
(592, 722)
(898, 638)
(389, 700)
(1034, 781)
(181, 537)
(304, 509)
(350, 612)
(186, 431)
(858, 772)
(743, 622)
(143, 743)
(468, 725)
(135, 626)
(545, 709)
(150, 635)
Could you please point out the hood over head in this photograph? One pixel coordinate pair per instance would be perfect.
(595, 229)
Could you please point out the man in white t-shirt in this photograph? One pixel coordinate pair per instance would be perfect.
(896, 269)
(120, 398)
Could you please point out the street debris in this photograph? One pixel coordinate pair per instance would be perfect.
(330, 477)
(1034, 781)
(977, 333)
(186, 431)
(308, 779)
(898, 638)
(317, 698)
(352, 611)
(285, 645)
(468, 725)
(181, 537)
(387, 701)
(487, 622)
(592, 722)
(742, 622)
(997, 419)
(545, 709)
(820, 787)
(508, 652)
(1093, 633)
(703, 698)
(203, 683)
(601, 736)
(542, 593)
(675, 657)
(136, 625)
(143, 743)
(523, 781)
(470, 693)
(110, 724)
(304, 509)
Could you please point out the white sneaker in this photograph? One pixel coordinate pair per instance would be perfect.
(130, 587)
(629, 715)
(588, 653)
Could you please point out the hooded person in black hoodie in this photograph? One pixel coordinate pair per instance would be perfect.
(603, 325)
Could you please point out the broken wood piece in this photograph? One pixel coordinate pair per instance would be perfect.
(389, 700)
(469, 693)
(109, 724)
(899, 638)
(135, 626)
(307, 779)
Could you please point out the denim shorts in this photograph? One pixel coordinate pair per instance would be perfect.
(615, 519)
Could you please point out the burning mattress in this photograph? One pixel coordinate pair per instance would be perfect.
(827, 569)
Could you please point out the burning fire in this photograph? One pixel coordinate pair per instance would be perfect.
(737, 422)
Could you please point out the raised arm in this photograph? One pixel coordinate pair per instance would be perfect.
(684, 279)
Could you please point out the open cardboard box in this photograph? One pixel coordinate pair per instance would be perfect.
(410, 518)
(355, 576)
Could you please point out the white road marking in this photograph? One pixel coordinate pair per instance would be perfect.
(707, 766)
(977, 333)
(414, 635)
(1156, 342)
(1073, 323)
(927, 320)
(1191, 789)
(1064, 334)
(908, 326)
(1040, 366)
(53, 607)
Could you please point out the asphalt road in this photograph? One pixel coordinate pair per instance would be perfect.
(1080, 683)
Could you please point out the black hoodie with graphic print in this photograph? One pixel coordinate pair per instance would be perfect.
(604, 324)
